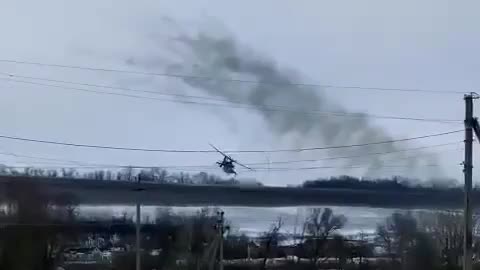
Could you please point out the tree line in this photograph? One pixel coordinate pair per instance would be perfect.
(395, 183)
(160, 175)
(154, 175)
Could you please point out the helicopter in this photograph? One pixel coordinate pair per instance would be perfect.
(228, 163)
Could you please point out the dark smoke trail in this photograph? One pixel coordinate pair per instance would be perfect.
(212, 56)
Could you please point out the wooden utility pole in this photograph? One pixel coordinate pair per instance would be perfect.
(137, 238)
(470, 122)
(221, 231)
(138, 254)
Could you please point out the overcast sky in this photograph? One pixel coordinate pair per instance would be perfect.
(406, 44)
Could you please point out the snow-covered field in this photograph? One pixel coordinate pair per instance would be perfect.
(255, 220)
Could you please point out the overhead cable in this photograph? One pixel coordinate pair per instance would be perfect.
(232, 80)
(248, 106)
(69, 144)
(91, 165)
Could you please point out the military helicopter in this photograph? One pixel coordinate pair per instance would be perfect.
(228, 163)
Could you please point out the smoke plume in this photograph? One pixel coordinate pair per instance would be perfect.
(209, 55)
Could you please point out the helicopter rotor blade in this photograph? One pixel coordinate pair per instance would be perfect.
(218, 150)
(229, 158)
(244, 166)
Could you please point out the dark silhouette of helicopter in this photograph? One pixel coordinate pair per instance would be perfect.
(228, 163)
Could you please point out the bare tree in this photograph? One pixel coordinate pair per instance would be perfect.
(126, 174)
(109, 175)
(68, 173)
(362, 248)
(162, 176)
(319, 226)
(196, 237)
(408, 247)
(270, 241)
(31, 171)
(446, 228)
(52, 173)
(384, 239)
(339, 248)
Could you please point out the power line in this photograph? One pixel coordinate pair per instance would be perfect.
(240, 105)
(54, 160)
(343, 167)
(58, 167)
(214, 151)
(98, 165)
(257, 169)
(68, 224)
(115, 87)
(205, 78)
(90, 165)
(354, 156)
(196, 168)
(361, 166)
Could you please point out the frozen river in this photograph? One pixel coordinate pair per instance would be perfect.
(255, 220)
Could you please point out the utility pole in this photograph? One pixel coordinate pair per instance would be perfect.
(137, 236)
(221, 231)
(138, 255)
(470, 124)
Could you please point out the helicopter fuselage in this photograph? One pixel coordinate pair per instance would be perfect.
(227, 166)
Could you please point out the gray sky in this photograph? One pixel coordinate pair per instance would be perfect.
(407, 44)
